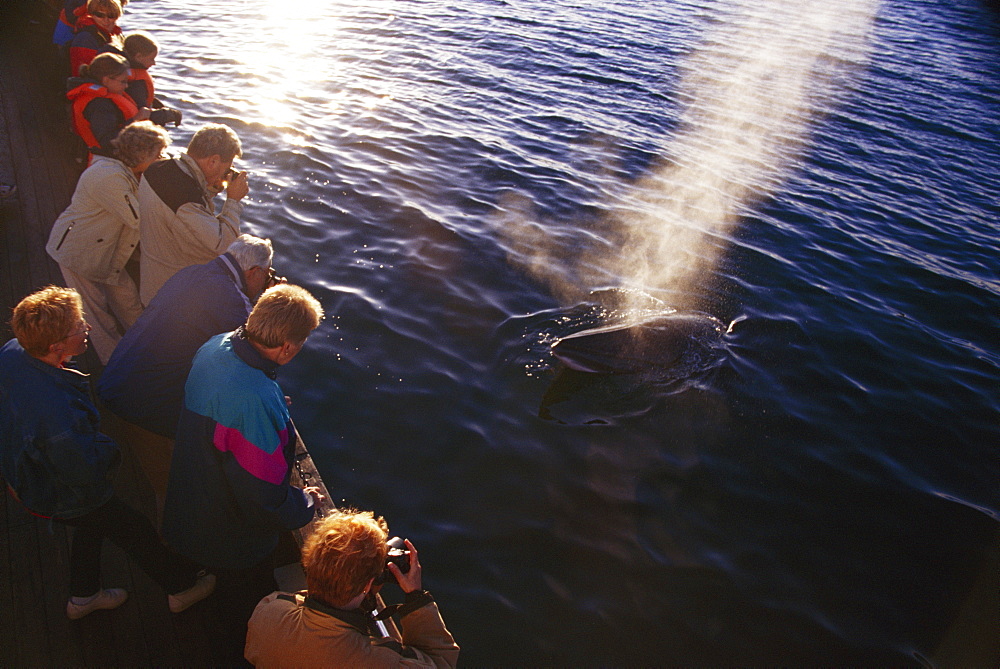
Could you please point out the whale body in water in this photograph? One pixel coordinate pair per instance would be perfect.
(658, 342)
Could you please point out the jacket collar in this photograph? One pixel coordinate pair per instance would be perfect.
(188, 164)
(228, 261)
(125, 169)
(70, 374)
(248, 354)
(357, 619)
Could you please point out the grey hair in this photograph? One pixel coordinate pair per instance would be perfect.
(139, 142)
(215, 139)
(250, 251)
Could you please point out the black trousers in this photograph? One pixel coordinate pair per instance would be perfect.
(237, 593)
(133, 533)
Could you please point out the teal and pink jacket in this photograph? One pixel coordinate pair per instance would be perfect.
(229, 495)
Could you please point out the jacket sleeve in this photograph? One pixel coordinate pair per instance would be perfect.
(283, 507)
(426, 637)
(202, 227)
(260, 482)
(136, 90)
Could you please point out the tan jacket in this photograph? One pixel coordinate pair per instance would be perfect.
(99, 230)
(179, 225)
(285, 633)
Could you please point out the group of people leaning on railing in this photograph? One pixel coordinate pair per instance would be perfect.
(109, 83)
(190, 356)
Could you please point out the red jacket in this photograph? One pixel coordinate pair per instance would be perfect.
(89, 41)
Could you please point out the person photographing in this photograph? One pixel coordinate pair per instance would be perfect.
(346, 560)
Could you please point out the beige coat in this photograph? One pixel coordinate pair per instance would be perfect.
(287, 634)
(179, 225)
(98, 232)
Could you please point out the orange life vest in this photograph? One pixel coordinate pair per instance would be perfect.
(142, 74)
(83, 95)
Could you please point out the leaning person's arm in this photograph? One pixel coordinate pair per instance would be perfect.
(201, 227)
(259, 480)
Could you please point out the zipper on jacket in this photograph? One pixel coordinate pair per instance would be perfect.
(132, 208)
(63, 238)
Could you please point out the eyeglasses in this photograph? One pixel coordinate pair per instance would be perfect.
(102, 15)
(86, 328)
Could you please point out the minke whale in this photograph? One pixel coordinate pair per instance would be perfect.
(628, 348)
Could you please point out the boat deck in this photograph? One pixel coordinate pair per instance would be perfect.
(37, 153)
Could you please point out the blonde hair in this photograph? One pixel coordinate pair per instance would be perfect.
(215, 139)
(284, 313)
(139, 142)
(346, 550)
(138, 43)
(107, 6)
(104, 65)
(46, 317)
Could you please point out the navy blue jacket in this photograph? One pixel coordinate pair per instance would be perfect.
(144, 379)
(51, 451)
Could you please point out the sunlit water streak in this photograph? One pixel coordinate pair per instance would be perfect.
(453, 180)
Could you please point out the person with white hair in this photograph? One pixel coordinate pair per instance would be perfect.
(143, 383)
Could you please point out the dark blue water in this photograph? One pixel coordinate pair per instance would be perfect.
(460, 183)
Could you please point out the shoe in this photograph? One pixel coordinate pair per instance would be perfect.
(7, 190)
(111, 598)
(201, 589)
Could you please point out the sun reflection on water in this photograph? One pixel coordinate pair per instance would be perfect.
(301, 64)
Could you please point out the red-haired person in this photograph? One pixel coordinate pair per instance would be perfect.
(330, 624)
(59, 465)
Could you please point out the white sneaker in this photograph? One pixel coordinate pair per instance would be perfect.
(201, 589)
(111, 598)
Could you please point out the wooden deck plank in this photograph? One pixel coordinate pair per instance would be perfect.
(26, 577)
(53, 561)
(8, 617)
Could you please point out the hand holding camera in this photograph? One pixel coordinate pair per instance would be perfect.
(403, 564)
(236, 184)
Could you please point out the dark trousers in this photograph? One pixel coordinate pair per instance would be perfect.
(237, 593)
(133, 533)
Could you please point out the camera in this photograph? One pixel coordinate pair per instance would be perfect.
(399, 555)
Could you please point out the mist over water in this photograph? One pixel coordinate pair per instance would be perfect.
(460, 184)
(750, 93)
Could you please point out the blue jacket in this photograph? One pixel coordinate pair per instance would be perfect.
(144, 379)
(51, 451)
(229, 496)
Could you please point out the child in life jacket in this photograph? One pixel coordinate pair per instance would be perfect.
(65, 28)
(141, 50)
(101, 107)
(97, 32)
